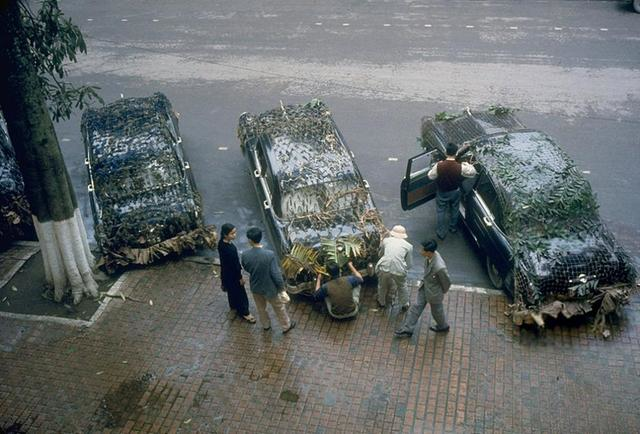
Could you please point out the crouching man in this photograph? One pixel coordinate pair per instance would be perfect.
(341, 294)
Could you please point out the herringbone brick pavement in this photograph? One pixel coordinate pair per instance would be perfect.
(185, 364)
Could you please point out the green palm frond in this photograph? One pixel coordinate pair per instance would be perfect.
(342, 249)
(301, 258)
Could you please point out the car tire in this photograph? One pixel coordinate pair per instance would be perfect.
(494, 275)
(636, 5)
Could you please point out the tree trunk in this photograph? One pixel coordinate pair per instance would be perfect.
(63, 241)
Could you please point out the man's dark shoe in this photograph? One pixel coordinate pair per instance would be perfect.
(441, 237)
(402, 334)
(380, 305)
(292, 325)
(438, 329)
(405, 307)
(266, 329)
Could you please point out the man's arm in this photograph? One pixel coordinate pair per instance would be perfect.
(355, 272)
(444, 280)
(276, 274)
(408, 259)
(468, 171)
(321, 290)
(433, 173)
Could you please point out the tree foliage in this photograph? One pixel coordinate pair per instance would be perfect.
(54, 41)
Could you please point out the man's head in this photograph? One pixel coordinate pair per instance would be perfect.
(451, 150)
(428, 248)
(398, 231)
(254, 235)
(334, 270)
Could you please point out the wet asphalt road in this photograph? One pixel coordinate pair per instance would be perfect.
(571, 67)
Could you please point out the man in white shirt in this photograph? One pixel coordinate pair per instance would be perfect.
(449, 175)
(392, 267)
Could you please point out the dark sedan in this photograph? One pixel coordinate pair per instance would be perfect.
(530, 212)
(144, 200)
(315, 202)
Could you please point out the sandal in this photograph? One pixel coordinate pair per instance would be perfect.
(249, 318)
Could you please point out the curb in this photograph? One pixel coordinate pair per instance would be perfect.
(114, 290)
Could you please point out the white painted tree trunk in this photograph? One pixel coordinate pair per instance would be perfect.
(68, 262)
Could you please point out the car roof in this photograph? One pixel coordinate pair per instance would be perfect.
(537, 182)
(304, 146)
(298, 163)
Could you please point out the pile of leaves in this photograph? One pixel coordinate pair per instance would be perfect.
(146, 204)
(15, 214)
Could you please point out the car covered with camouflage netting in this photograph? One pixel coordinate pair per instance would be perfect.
(15, 215)
(532, 214)
(143, 196)
(317, 206)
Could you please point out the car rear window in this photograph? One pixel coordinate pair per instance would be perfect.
(330, 197)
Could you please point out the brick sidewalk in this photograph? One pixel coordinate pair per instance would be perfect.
(184, 364)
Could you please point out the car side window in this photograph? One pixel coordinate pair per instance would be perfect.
(487, 192)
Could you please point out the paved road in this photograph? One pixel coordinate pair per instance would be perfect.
(571, 67)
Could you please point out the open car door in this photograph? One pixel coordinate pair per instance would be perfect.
(416, 187)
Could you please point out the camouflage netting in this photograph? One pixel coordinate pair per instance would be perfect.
(565, 260)
(322, 199)
(15, 214)
(146, 202)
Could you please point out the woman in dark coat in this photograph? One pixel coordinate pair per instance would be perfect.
(231, 273)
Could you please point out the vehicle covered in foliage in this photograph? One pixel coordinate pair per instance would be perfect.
(143, 196)
(532, 214)
(317, 206)
(15, 215)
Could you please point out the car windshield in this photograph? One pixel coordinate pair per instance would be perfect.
(327, 198)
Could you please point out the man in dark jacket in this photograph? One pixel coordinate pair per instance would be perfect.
(449, 175)
(267, 284)
(341, 294)
(434, 286)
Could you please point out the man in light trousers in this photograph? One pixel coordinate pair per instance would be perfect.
(267, 283)
(392, 267)
(435, 285)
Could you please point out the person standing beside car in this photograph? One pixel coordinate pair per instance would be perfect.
(435, 284)
(449, 175)
(231, 273)
(266, 282)
(341, 294)
(396, 258)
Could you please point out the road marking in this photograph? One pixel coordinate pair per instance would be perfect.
(604, 30)
(392, 159)
(469, 27)
(318, 24)
(513, 28)
(345, 24)
(124, 20)
(155, 20)
(557, 28)
(586, 172)
(427, 25)
(64, 139)
(89, 19)
(223, 148)
(387, 25)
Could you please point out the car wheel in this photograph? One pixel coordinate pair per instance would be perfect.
(636, 5)
(494, 275)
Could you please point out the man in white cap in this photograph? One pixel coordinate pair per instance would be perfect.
(396, 258)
